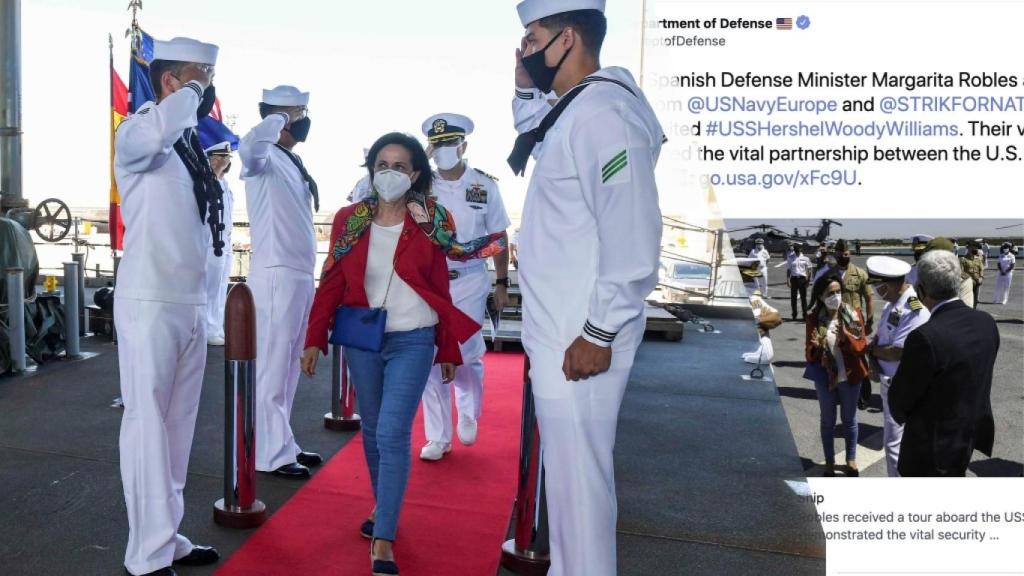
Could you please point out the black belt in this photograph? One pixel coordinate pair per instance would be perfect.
(454, 274)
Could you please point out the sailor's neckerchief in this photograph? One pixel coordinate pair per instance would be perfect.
(432, 218)
(205, 186)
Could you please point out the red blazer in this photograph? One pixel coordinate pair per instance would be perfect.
(418, 261)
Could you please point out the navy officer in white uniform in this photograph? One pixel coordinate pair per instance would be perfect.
(589, 248)
(281, 198)
(218, 268)
(473, 199)
(172, 206)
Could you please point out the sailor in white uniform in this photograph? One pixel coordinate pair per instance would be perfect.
(218, 268)
(919, 244)
(764, 256)
(281, 198)
(903, 313)
(1004, 273)
(171, 205)
(474, 201)
(589, 243)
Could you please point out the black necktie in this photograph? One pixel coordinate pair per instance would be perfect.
(305, 175)
(526, 141)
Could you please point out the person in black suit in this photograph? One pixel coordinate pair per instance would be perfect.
(942, 389)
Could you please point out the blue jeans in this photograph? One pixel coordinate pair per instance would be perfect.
(845, 396)
(389, 385)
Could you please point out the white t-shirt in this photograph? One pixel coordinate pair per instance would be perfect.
(406, 309)
(832, 338)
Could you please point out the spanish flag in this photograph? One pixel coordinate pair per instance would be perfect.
(118, 112)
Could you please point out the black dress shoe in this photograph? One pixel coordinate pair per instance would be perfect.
(293, 470)
(199, 556)
(309, 459)
(161, 572)
(366, 530)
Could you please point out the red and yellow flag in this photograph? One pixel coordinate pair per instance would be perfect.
(118, 112)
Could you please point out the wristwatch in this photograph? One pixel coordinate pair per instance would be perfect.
(502, 282)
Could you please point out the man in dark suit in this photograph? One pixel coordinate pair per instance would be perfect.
(942, 389)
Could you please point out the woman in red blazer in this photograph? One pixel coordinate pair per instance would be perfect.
(385, 253)
(836, 354)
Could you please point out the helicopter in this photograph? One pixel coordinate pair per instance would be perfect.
(778, 241)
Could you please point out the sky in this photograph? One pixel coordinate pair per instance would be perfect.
(371, 68)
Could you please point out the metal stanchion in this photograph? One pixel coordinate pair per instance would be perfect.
(79, 259)
(71, 299)
(527, 552)
(342, 417)
(16, 317)
(239, 508)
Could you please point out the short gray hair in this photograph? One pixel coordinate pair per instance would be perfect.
(939, 273)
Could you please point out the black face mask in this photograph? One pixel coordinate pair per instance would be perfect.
(209, 98)
(542, 75)
(300, 129)
(843, 261)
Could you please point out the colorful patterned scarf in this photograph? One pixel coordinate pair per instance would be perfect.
(435, 221)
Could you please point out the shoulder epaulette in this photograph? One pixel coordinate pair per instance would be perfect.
(914, 303)
(485, 174)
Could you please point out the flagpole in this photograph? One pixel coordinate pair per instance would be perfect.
(111, 224)
(643, 40)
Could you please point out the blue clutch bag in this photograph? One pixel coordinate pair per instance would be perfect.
(360, 328)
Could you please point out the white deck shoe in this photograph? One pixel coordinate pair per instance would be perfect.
(467, 431)
(434, 451)
(215, 341)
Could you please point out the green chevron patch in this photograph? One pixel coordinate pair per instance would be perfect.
(614, 166)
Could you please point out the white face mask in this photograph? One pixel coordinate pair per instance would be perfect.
(447, 157)
(391, 184)
(833, 301)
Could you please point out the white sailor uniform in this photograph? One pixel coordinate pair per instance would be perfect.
(1004, 277)
(762, 281)
(161, 324)
(279, 204)
(475, 203)
(588, 257)
(899, 319)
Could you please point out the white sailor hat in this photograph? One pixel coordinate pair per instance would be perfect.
(759, 241)
(444, 127)
(285, 96)
(920, 241)
(185, 50)
(222, 148)
(887, 267)
(533, 10)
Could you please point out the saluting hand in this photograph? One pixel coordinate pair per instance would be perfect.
(523, 79)
(309, 358)
(584, 359)
(201, 73)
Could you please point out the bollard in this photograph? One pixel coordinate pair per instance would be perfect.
(16, 317)
(342, 417)
(239, 508)
(79, 259)
(527, 552)
(71, 299)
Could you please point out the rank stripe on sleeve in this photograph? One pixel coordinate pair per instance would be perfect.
(614, 166)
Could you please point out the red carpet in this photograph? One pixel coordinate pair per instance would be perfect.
(455, 514)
